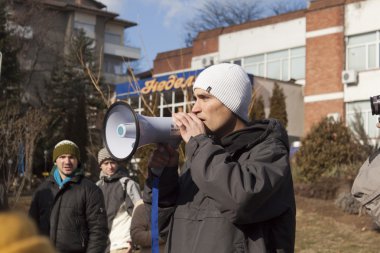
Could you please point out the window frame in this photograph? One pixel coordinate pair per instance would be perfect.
(366, 45)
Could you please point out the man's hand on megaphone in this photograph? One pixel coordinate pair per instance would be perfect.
(164, 156)
(189, 125)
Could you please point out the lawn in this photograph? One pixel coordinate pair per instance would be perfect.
(321, 228)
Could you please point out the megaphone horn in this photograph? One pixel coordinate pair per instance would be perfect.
(124, 131)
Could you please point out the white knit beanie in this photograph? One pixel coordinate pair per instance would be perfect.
(230, 84)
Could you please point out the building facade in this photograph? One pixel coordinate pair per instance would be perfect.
(161, 95)
(331, 50)
(49, 27)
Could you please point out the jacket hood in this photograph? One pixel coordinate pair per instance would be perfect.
(120, 172)
(254, 133)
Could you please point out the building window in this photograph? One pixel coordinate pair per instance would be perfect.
(362, 108)
(113, 66)
(136, 103)
(282, 65)
(89, 29)
(277, 65)
(297, 63)
(255, 65)
(173, 101)
(363, 51)
(112, 38)
(176, 100)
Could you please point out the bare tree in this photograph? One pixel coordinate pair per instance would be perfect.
(32, 22)
(32, 125)
(19, 129)
(214, 14)
(10, 134)
(357, 127)
(284, 6)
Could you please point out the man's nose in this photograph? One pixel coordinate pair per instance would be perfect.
(196, 108)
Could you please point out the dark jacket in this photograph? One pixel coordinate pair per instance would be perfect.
(74, 216)
(233, 196)
(140, 230)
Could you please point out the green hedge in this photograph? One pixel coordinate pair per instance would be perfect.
(329, 150)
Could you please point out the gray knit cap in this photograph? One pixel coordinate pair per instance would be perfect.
(103, 155)
(230, 84)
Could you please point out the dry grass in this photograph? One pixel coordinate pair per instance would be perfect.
(318, 233)
(321, 228)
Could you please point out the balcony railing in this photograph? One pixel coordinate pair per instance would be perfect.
(122, 51)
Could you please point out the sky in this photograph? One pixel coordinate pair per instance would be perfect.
(160, 24)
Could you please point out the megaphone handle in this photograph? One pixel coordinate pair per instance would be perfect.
(154, 216)
(157, 171)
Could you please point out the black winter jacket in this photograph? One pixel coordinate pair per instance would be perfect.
(74, 217)
(233, 196)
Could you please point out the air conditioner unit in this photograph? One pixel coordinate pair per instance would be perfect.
(349, 76)
(204, 62)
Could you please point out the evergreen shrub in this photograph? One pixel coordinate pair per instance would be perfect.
(330, 150)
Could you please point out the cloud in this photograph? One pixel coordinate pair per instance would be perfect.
(116, 6)
(172, 11)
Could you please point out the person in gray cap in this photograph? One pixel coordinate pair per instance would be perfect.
(68, 207)
(235, 190)
(121, 195)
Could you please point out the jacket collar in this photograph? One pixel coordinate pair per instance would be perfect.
(120, 172)
(254, 133)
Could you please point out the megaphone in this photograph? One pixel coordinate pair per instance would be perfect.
(124, 131)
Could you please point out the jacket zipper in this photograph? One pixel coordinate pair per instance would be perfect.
(81, 233)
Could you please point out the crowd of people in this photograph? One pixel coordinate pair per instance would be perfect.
(233, 194)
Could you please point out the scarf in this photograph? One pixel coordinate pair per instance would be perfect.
(58, 179)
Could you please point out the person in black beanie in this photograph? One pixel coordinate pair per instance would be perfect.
(68, 207)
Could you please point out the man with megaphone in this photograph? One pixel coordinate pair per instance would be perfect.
(235, 191)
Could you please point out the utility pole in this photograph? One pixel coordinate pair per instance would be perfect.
(45, 173)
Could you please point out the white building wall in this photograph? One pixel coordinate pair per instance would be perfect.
(262, 39)
(86, 22)
(115, 29)
(368, 85)
(85, 18)
(200, 62)
(362, 17)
